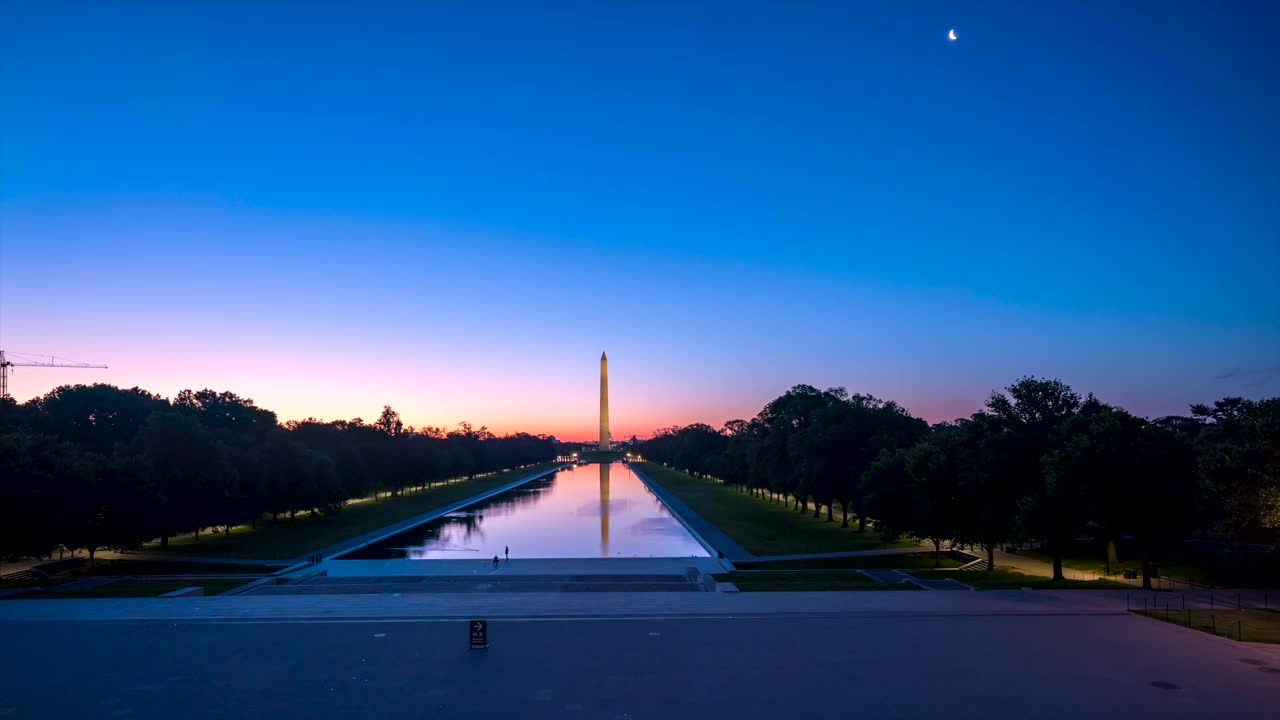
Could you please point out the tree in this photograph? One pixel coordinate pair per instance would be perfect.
(739, 452)
(94, 417)
(1239, 462)
(226, 411)
(1096, 455)
(892, 427)
(97, 466)
(108, 503)
(988, 491)
(840, 443)
(1032, 414)
(35, 470)
(389, 421)
(1161, 491)
(889, 493)
(787, 415)
(195, 481)
(697, 448)
(934, 467)
(12, 415)
(1134, 477)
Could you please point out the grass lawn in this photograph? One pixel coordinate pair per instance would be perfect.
(167, 567)
(33, 583)
(1215, 567)
(868, 562)
(136, 588)
(798, 581)
(1249, 625)
(1010, 580)
(1097, 563)
(761, 526)
(305, 534)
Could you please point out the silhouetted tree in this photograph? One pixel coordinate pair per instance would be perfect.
(1239, 461)
(226, 411)
(35, 471)
(94, 417)
(889, 493)
(97, 466)
(988, 490)
(1033, 413)
(389, 421)
(935, 466)
(195, 481)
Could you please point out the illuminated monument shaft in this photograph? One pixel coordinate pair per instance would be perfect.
(604, 402)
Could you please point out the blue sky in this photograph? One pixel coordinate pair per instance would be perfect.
(453, 207)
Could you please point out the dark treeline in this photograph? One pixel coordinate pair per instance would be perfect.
(1038, 463)
(103, 467)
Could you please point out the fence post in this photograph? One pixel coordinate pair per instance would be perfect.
(1188, 618)
(1240, 630)
(1213, 623)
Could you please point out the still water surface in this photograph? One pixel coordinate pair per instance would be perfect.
(600, 510)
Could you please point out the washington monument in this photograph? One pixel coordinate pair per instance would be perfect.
(604, 402)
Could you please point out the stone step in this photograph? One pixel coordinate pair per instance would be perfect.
(474, 586)
(469, 579)
(887, 576)
(947, 584)
(86, 584)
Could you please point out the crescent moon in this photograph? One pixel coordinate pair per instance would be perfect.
(951, 34)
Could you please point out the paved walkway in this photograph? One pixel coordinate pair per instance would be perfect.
(191, 559)
(709, 534)
(846, 553)
(17, 566)
(1044, 665)
(1035, 566)
(428, 606)
(402, 585)
(296, 608)
(888, 576)
(518, 566)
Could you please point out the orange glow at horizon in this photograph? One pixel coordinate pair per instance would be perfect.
(550, 389)
(567, 410)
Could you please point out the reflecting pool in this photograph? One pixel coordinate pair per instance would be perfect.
(600, 510)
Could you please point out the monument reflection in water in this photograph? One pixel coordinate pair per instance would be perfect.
(600, 510)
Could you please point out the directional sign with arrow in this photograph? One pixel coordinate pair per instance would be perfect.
(479, 634)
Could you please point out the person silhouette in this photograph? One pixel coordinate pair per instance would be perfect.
(495, 561)
(506, 551)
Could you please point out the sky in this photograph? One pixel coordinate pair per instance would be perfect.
(453, 208)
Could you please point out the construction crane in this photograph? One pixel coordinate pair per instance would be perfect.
(25, 360)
